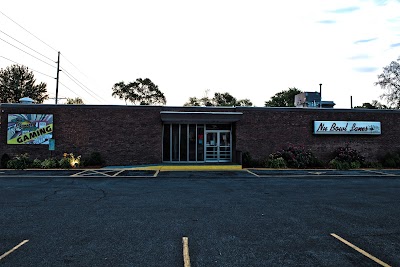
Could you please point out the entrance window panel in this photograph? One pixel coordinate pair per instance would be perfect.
(166, 143)
(192, 142)
(184, 147)
(218, 127)
(212, 146)
(175, 142)
(225, 146)
(200, 143)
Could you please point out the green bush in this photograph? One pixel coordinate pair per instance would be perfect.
(345, 158)
(50, 163)
(296, 157)
(374, 165)
(4, 159)
(246, 160)
(348, 154)
(37, 163)
(278, 163)
(355, 165)
(64, 163)
(339, 165)
(95, 159)
(19, 162)
(391, 160)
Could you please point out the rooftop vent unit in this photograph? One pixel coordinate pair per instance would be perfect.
(26, 100)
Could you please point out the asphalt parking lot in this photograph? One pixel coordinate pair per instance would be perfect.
(256, 218)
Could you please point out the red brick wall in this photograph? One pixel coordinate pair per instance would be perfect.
(127, 135)
(124, 135)
(265, 130)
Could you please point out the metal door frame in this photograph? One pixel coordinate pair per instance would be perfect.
(218, 145)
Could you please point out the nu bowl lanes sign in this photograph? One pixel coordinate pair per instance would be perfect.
(347, 127)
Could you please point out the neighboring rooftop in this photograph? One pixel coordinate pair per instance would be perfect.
(311, 100)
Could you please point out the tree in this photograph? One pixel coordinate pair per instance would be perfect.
(197, 102)
(224, 99)
(373, 105)
(74, 101)
(284, 98)
(193, 102)
(219, 99)
(17, 82)
(141, 91)
(389, 80)
(244, 103)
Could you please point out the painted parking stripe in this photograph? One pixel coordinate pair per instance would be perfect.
(186, 258)
(13, 249)
(79, 173)
(253, 173)
(381, 173)
(156, 174)
(366, 254)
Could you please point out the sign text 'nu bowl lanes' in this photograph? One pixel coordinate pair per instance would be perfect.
(347, 127)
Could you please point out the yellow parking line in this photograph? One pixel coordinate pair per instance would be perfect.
(366, 254)
(13, 249)
(186, 258)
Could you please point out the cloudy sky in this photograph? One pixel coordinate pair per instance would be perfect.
(251, 49)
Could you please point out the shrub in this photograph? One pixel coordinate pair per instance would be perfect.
(348, 154)
(296, 157)
(355, 165)
(69, 160)
(4, 159)
(95, 159)
(246, 160)
(278, 163)
(64, 163)
(19, 162)
(391, 160)
(346, 158)
(50, 163)
(373, 165)
(339, 165)
(37, 163)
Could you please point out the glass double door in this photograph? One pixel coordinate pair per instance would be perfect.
(197, 143)
(218, 146)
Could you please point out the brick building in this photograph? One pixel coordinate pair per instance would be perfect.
(128, 135)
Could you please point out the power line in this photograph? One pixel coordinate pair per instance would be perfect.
(74, 65)
(29, 32)
(77, 83)
(81, 85)
(28, 67)
(27, 53)
(70, 89)
(27, 46)
(69, 76)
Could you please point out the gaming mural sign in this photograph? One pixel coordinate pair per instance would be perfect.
(347, 127)
(29, 129)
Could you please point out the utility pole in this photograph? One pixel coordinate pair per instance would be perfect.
(320, 94)
(58, 75)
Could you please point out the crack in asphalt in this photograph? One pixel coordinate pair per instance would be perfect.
(101, 190)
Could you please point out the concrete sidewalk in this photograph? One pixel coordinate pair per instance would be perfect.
(181, 167)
